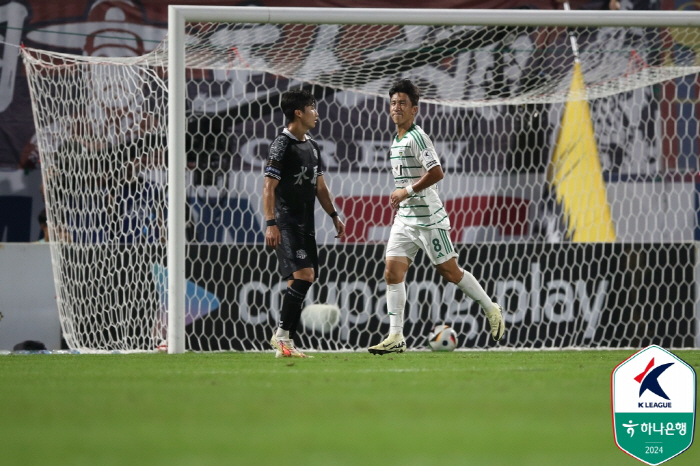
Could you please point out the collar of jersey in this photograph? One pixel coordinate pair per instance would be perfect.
(289, 133)
(404, 134)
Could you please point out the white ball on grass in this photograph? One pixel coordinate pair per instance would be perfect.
(442, 338)
(320, 317)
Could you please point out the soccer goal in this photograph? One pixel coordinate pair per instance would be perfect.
(569, 142)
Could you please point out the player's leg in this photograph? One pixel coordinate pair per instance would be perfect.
(307, 274)
(394, 274)
(298, 288)
(439, 248)
(298, 260)
(293, 301)
(469, 286)
(292, 305)
(400, 252)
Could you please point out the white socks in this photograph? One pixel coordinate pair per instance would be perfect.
(282, 333)
(471, 288)
(395, 303)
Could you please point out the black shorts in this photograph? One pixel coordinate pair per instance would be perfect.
(296, 251)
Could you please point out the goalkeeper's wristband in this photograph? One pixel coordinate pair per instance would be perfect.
(409, 189)
(333, 214)
(271, 223)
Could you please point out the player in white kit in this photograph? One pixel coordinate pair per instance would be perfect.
(421, 221)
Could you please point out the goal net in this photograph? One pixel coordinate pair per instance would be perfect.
(570, 157)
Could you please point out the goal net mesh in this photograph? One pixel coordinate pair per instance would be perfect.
(570, 184)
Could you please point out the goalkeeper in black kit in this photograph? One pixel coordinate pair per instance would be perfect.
(293, 181)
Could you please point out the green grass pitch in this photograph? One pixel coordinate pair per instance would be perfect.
(419, 408)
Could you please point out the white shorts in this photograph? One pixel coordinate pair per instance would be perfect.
(405, 241)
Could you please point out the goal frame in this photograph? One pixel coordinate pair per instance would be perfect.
(178, 15)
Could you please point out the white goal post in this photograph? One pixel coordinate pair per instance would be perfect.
(569, 183)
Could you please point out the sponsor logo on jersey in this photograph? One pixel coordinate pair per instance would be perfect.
(273, 171)
(429, 158)
(301, 176)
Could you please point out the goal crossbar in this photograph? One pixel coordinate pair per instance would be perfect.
(475, 17)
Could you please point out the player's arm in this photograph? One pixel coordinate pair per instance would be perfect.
(431, 177)
(272, 232)
(326, 199)
(273, 175)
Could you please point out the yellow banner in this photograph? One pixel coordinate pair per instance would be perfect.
(575, 171)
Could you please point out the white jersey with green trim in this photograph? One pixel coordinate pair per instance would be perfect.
(412, 157)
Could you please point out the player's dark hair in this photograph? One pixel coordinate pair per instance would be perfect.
(297, 99)
(408, 88)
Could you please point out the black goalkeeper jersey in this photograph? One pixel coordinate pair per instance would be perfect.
(296, 164)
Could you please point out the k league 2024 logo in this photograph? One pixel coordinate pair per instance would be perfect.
(653, 403)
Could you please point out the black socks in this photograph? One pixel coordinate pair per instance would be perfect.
(292, 304)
